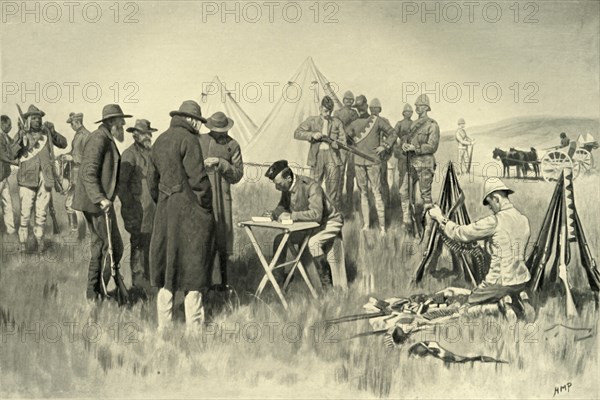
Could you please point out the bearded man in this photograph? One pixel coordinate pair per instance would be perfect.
(96, 192)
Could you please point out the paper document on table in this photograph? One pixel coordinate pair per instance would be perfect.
(261, 219)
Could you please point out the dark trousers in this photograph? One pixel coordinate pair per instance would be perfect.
(140, 259)
(99, 248)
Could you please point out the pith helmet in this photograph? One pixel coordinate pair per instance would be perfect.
(461, 121)
(375, 103)
(492, 185)
(407, 107)
(423, 100)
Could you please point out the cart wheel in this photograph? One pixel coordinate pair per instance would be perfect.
(553, 164)
(584, 159)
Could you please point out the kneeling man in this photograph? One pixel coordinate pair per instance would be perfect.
(506, 234)
(303, 200)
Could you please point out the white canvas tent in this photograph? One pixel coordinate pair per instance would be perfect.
(218, 98)
(301, 98)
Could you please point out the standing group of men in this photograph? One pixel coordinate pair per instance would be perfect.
(359, 125)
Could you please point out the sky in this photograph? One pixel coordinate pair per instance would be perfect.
(484, 62)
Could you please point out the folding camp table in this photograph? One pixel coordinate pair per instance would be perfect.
(304, 228)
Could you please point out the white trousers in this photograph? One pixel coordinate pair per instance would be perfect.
(6, 204)
(40, 198)
(194, 310)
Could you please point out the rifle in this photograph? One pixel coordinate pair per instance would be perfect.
(416, 227)
(351, 149)
(470, 158)
(122, 294)
(55, 227)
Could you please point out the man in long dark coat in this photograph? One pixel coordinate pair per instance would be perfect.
(223, 160)
(183, 223)
(96, 192)
(138, 207)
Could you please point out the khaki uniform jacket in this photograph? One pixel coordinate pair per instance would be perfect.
(506, 235)
(307, 202)
(313, 124)
(463, 140)
(403, 130)
(8, 152)
(367, 132)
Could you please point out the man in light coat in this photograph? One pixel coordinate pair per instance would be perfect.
(506, 234)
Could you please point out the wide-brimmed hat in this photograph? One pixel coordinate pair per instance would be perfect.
(75, 117)
(141, 125)
(189, 108)
(219, 122)
(33, 110)
(111, 111)
(492, 185)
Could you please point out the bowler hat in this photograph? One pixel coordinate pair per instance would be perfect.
(492, 185)
(75, 117)
(219, 122)
(141, 125)
(276, 168)
(191, 109)
(111, 111)
(33, 110)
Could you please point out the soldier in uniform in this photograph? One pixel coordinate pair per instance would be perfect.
(36, 173)
(403, 129)
(137, 205)
(225, 167)
(77, 146)
(464, 141)
(324, 159)
(375, 109)
(421, 146)
(96, 192)
(347, 114)
(8, 151)
(366, 133)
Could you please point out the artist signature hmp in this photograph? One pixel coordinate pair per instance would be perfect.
(562, 389)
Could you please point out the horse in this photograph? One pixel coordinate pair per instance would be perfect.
(508, 160)
(530, 159)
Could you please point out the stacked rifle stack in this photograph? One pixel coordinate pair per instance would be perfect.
(561, 226)
(467, 257)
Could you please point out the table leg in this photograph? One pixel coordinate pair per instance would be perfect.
(312, 268)
(268, 267)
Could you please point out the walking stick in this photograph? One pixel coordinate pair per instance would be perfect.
(122, 294)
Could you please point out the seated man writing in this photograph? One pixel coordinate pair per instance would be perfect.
(303, 200)
(506, 234)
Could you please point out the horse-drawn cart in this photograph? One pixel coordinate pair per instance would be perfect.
(577, 156)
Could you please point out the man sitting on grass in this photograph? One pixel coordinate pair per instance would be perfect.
(303, 200)
(506, 234)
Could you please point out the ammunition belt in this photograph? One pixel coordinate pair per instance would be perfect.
(479, 258)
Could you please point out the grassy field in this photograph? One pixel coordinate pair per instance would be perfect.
(56, 344)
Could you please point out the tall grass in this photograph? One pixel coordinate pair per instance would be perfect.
(117, 352)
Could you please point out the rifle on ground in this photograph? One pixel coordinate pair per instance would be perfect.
(351, 149)
(115, 273)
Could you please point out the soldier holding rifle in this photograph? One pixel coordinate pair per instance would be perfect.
(8, 151)
(324, 156)
(36, 175)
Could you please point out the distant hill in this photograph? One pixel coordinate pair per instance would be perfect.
(537, 131)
